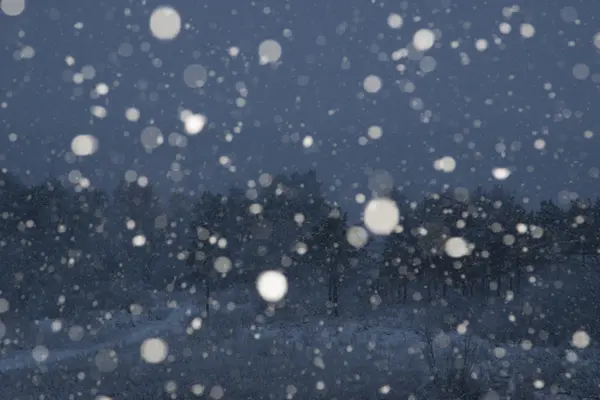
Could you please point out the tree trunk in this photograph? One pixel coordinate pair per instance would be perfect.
(518, 278)
(333, 290)
(464, 288)
(498, 285)
(404, 288)
(207, 294)
(484, 285)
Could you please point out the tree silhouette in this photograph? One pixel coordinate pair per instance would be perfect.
(330, 250)
(79, 244)
(400, 249)
(208, 228)
(136, 239)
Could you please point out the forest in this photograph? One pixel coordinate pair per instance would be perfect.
(67, 249)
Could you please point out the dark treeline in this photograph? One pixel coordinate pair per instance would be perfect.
(62, 248)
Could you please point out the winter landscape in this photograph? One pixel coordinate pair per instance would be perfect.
(271, 293)
(299, 200)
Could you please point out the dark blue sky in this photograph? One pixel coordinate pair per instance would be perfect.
(474, 102)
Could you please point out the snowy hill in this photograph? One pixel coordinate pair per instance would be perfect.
(394, 353)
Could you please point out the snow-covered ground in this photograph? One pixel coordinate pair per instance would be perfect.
(390, 354)
(136, 332)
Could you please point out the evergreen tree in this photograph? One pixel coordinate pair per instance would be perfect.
(136, 240)
(208, 255)
(400, 248)
(329, 249)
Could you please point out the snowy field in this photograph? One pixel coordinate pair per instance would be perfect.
(391, 354)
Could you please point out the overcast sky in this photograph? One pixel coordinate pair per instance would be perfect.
(519, 95)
